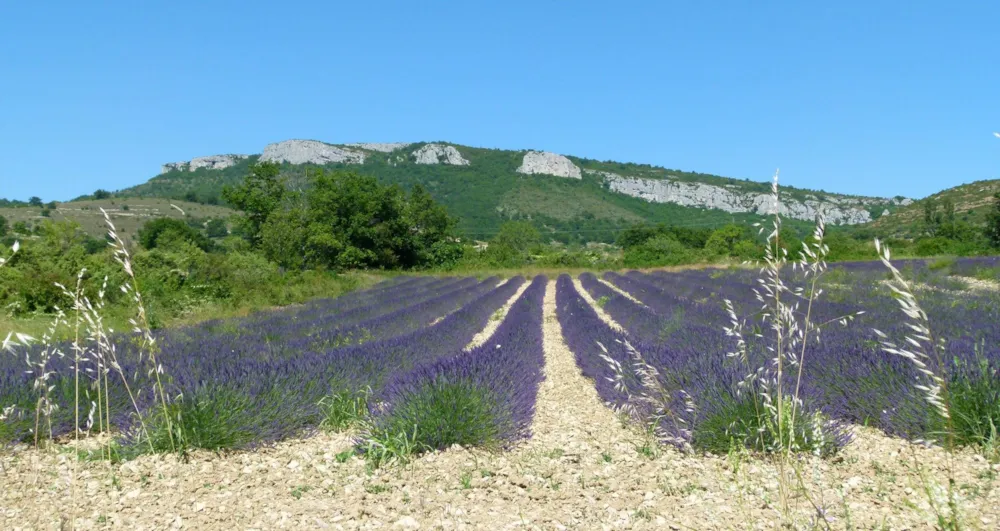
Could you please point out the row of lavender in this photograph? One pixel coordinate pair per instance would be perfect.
(244, 383)
(677, 325)
(485, 396)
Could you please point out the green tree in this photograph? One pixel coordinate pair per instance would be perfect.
(431, 228)
(4, 227)
(354, 222)
(513, 244)
(166, 232)
(662, 249)
(261, 193)
(284, 238)
(101, 194)
(216, 228)
(518, 235)
(344, 220)
(724, 240)
(635, 235)
(35, 201)
(993, 222)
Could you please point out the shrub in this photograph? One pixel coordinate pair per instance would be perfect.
(344, 409)
(659, 250)
(743, 421)
(212, 419)
(440, 414)
(165, 232)
(974, 396)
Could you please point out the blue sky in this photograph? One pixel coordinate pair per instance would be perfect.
(878, 98)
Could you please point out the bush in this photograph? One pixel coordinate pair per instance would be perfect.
(216, 228)
(435, 417)
(344, 409)
(745, 422)
(659, 250)
(167, 232)
(974, 395)
(933, 246)
(248, 271)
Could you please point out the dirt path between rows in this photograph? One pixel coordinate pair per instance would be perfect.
(597, 307)
(581, 470)
(497, 318)
(620, 291)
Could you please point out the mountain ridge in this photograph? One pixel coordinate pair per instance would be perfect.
(487, 186)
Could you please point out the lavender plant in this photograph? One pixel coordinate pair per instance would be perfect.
(484, 397)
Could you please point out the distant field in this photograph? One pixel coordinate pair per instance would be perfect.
(128, 214)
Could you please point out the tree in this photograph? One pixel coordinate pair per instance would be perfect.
(162, 232)
(216, 228)
(724, 240)
(431, 229)
(635, 236)
(101, 194)
(344, 220)
(284, 238)
(518, 235)
(354, 222)
(35, 201)
(191, 196)
(662, 249)
(993, 222)
(512, 245)
(4, 228)
(260, 194)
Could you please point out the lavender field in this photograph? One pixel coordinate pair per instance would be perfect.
(504, 391)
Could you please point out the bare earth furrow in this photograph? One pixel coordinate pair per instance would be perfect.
(608, 320)
(495, 321)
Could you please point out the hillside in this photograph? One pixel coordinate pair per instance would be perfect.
(972, 201)
(127, 213)
(569, 197)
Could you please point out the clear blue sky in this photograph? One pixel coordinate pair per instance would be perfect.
(850, 96)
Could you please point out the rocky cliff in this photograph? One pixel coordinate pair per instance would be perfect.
(310, 152)
(547, 163)
(384, 147)
(834, 209)
(439, 154)
(213, 162)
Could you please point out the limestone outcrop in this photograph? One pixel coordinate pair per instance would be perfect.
(310, 152)
(212, 162)
(439, 154)
(834, 210)
(543, 162)
(384, 147)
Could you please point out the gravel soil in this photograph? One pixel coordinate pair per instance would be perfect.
(582, 469)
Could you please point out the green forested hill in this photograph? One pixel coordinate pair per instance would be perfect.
(489, 190)
(971, 202)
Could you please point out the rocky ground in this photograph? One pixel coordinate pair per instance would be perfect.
(582, 469)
